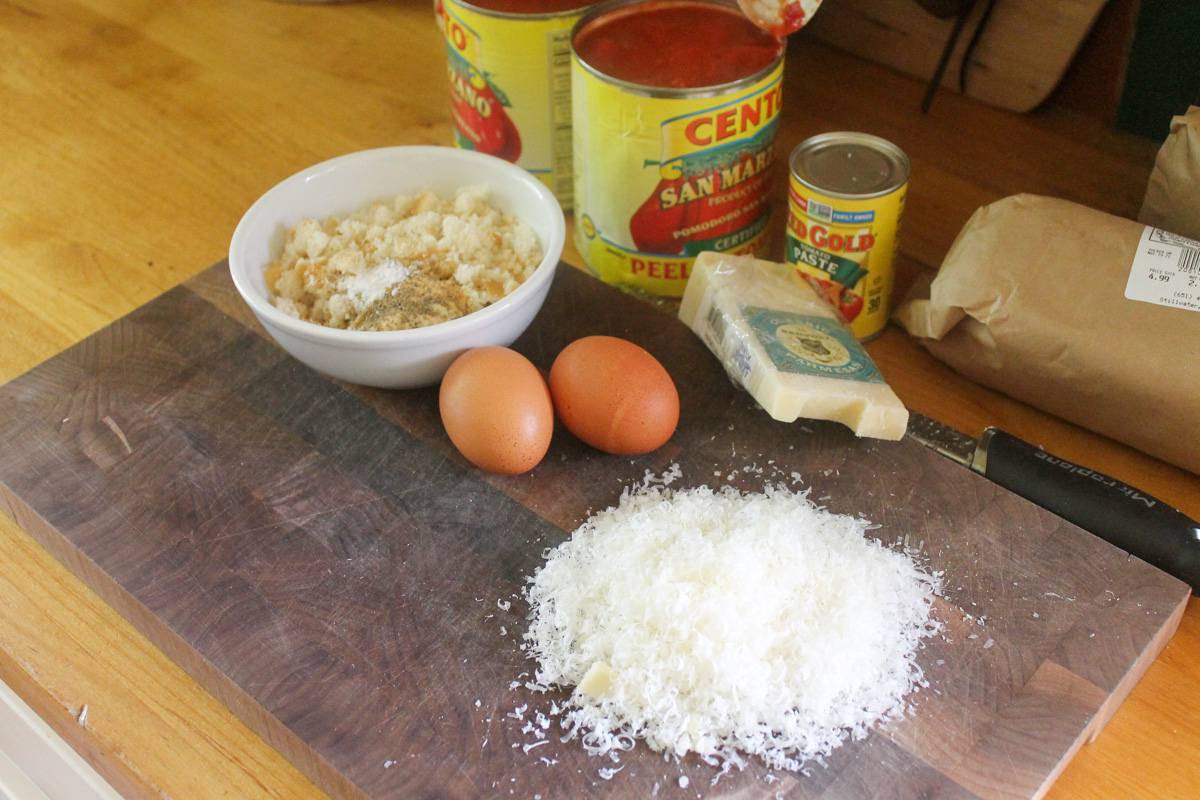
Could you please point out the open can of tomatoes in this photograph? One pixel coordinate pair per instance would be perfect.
(510, 82)
(845, 203)
(676, 106)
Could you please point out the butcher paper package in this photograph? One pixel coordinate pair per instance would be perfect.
(1032, 301)
(1172, 198)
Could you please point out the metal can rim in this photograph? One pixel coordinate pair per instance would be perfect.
(877, 143)
(645, 90)
(535, 16)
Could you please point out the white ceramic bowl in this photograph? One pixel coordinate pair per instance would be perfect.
(340, 186)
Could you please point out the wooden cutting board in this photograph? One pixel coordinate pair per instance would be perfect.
(321, 559)
(1022, 53)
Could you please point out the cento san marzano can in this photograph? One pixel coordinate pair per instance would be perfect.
(510, 82)
(676, 106)
(845, 202)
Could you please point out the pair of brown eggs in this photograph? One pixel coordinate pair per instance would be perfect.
(499, 411)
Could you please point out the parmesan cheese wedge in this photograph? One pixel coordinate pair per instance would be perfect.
(777, 338)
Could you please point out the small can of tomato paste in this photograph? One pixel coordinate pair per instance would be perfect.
(510, 82)
(676, 105)
(845, 203)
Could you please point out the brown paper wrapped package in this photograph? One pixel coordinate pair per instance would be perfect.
(1030, 301)
(1172, 200)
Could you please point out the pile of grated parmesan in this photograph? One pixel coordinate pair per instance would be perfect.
(726, 623)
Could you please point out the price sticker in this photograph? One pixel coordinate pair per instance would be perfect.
(1166, 270)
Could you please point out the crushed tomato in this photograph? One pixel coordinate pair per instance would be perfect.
(677, 45)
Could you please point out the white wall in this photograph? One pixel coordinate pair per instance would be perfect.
(36, 764)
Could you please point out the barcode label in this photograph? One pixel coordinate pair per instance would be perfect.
(1189, 260)
(1165, 270)
(558, 70)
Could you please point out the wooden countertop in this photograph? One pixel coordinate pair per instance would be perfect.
(137, 132)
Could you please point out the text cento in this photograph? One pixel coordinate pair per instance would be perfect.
(719, 126)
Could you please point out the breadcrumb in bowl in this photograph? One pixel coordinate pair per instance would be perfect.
(497, 310)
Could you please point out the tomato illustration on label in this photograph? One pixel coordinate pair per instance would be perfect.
(848, 302)
(718, 201)
(653, 228)
(851, 305)
(480, 121)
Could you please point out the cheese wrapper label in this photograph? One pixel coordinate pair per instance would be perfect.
(784, 344)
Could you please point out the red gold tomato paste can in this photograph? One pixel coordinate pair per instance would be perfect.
(510, 82)
(845, 203)
(676, 105)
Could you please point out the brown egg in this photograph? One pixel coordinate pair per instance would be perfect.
(497, 410)
(614, 395)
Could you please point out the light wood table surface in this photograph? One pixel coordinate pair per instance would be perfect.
(135, 133)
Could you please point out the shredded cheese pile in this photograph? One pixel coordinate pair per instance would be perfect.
(726, 623)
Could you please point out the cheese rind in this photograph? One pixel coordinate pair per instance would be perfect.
(777, 338)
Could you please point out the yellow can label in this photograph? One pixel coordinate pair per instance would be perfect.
(849, 247)
(659, 180)
(510, 88)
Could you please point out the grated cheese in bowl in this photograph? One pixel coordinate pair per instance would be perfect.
(728, 624)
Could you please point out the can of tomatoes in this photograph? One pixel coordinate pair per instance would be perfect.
(510, 82)
(845, 203)
(676, 106)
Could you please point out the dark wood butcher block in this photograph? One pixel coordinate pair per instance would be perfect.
(321, 559)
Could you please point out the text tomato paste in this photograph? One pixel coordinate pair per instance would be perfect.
(675, 107)
(845, 203)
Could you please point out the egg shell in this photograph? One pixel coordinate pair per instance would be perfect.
(496, 409)
(614, 395)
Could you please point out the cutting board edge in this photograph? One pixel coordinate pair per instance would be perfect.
(251, 713)
(1139, 668)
